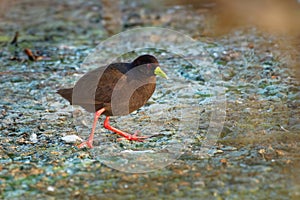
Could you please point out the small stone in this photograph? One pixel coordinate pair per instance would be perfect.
(199, 183)
(223, 161)
(33, 138)
(250, 45)
(50, 188)
(212, 152)
(279, 152)
(262, 151)
(229, 148)
(71, 138)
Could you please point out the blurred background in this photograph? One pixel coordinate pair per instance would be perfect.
(199, 18)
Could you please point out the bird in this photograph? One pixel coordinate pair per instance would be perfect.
(117, 89)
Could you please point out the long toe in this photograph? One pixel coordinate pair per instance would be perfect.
(134, 137)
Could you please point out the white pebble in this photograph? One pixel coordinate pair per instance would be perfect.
(71, 138)
(33, 138)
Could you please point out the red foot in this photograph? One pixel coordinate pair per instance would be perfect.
(125, 135)
(89, 142)
(133, 137)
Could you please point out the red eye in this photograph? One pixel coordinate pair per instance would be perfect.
(149, 66)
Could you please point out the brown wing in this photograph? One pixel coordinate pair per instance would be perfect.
(93, 90)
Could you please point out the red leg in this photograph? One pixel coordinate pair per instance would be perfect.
(89, 142)
(123, 134)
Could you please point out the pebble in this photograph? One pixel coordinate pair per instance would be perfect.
(199, 183)
(33, 138)
(71, 138)
(228, 148)
(50, 188)
(214, 151)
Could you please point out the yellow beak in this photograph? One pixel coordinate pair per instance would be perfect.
(159, 72)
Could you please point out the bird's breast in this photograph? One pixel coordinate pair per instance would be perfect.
(130, 96)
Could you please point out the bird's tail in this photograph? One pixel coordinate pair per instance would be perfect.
(66, 93)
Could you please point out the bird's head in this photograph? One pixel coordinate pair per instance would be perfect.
(149, 65)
